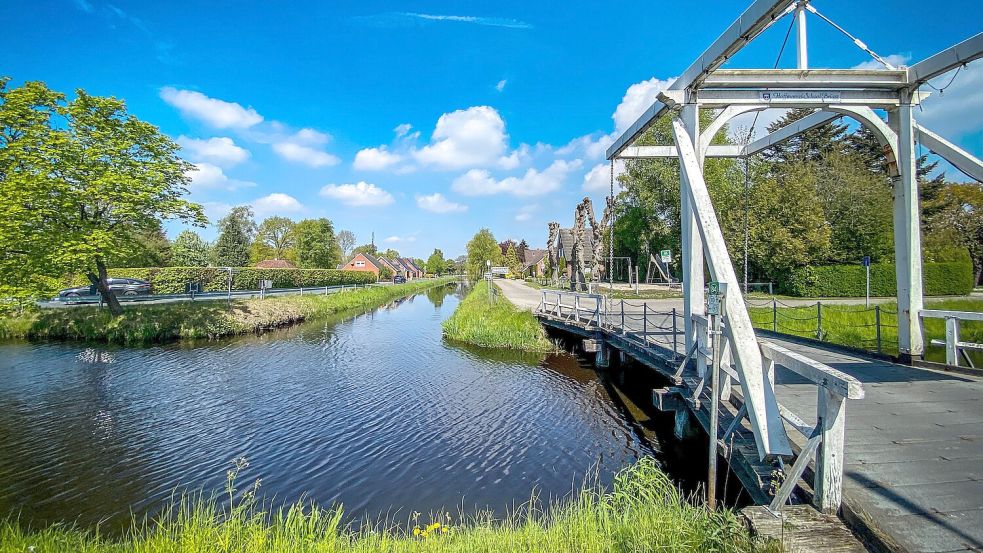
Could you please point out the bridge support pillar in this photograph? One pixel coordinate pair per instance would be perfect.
(602, 357)
(692, 243)
(907, 234)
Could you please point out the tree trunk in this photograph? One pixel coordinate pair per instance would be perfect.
(101, 281)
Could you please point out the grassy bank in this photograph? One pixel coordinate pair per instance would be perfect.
(142, 324)
(495, 324)
(856, 325)
(642, 512)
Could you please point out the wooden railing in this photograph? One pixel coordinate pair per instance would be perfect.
(954, 346)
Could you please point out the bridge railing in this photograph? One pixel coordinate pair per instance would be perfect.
(955, 347)
(573, 307)
(824, 441)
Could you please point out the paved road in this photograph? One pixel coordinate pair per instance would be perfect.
(914, 444)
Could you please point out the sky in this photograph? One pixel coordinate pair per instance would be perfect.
(420, 122)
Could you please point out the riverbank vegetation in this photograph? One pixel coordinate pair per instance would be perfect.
(491, 321)
(643, 511)
(142, 324)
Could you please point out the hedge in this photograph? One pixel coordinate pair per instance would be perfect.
(830, 281)
(172, 280)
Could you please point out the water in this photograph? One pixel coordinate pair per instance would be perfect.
(376, 412)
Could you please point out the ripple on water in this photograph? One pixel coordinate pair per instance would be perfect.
(376, 412)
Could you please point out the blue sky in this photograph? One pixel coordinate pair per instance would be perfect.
(424, 121)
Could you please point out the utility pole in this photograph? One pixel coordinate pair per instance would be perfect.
(717, 292)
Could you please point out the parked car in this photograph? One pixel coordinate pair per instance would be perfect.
(399, 279)
(121, 286)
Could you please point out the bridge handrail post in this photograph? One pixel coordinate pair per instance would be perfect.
(675, 342)
(831, 420)
(645, 323)
(576, 307)
(877, 324)
(774, 315)
(819, 320)
(622, 316)
(952, 341)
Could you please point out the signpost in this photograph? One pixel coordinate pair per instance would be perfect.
(715, 307)
(866, 262)
(666, 256)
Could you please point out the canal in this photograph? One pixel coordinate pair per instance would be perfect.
(374, 411)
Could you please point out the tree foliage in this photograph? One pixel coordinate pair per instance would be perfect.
(346, 241)
(235, 236)
(80, 181)
(316, 245)
(435, 263)
(189, 250)
(481, 249)
(512, 260)
(274, 240)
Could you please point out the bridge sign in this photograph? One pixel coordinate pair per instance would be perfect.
(666, 256)
(500, 271)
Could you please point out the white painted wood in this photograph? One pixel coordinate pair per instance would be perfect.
(831, 417)
(657, 152)
(763, 411)
(792, 477)
(952, 341)
(969, 164)
(946, 60)
(692, 246)
(813, 79)
(725, 380)
(907, 235)
(816, 372)
(791, 130)
(706, 136)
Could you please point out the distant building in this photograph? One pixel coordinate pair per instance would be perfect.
(534, 262)
(275, 264)
(565, 248)
(367, 263)
(411, 265)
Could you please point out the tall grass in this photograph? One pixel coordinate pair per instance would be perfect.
(642, 512)
(495, 323)
(141, 324)
(856, 325)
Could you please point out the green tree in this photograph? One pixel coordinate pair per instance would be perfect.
(346, 241)
(435, 263)
(274, 240)
(811, 145)
(512, 261)
(190, 250)
(316, 245)
(149, 248)
(235, 236)
(365, 248)
(79, 181)
(481, 249)
(390, 254)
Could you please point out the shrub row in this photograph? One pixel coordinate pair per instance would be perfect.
(939, 279)
(173, 280)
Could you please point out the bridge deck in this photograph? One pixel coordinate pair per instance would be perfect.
(914, 444)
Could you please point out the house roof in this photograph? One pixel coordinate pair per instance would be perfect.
(368, 257)
(411, 265)
(533, 257)
(275, 264)
(566, 243)
(388, 263)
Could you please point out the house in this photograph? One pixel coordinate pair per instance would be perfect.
(275, 264)
(366, 262)
(565, 247)
(412, 266)
(534, 262)
(389, 264)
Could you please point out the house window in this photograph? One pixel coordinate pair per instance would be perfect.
(360, 264)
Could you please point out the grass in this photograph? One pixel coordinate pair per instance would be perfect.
(856, 325)
(143, 324)
(495, 324)
(641, 295)
(643, 511)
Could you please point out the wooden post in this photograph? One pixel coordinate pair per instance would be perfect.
(674, 339)
(774, 315)
(645, 321)
(622, 317)
(951, 339)
(819, 320)
(831, 417)
(877, 324)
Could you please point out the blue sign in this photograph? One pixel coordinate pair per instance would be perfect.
(866, 261)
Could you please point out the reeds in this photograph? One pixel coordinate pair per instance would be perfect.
(491, 321)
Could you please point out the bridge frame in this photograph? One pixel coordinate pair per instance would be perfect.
(833, 93)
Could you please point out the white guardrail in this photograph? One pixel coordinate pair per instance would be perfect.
(648, 328)
(954, 346)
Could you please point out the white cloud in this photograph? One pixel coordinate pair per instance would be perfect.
(276, 204)
(214, 112)
(958, 111)
(501, 85)
(473, 137)
(489, 21)
(525, 212)
(362, 194)
(306, 155)
(376, 159)
(221, 151)
(638, 98)
(479, 182)
(896, 60)
(598, 179)
(311, 136)
(206, 176)
(399, 239)
(591, 146)
(402, 130)
(437, 203)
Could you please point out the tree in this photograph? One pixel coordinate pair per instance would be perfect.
(811, 145)
(512, 261)
(316, 245)
(274, 239)
(80, 181)
(346, 241)
(504, 246)
(481, 249)
(436, 263)
(149, 248)
(365, 248)
(520, 250)
(190, 250)
(956, 220)
(390, 254)
(235, 236)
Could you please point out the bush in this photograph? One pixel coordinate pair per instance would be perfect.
(939, 279)
(172, 280)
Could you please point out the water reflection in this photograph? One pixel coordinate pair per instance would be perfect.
(375, 411)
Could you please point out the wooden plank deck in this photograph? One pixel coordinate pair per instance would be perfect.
(913, 473)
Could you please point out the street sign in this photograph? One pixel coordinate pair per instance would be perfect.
(713, 298)
(500, 270)
(666, 256)
(866, 261)
(713, 288)
(265, 284)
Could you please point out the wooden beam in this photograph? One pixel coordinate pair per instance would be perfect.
(945, 61)
(814, 371)
(969, 164)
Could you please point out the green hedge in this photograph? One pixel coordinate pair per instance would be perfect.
(829, 281)
(172, 280)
